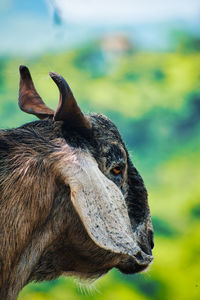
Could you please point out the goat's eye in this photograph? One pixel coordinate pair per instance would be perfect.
(117, 171)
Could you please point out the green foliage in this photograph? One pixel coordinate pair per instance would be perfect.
(162, 228)
(154, 98)
(195, 211)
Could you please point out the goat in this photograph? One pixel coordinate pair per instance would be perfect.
(71, 201)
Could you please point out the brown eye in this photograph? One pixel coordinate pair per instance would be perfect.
(116, 171)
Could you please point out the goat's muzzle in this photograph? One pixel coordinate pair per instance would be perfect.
(137, 263)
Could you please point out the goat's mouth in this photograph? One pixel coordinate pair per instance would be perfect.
(126, 266)
(132, 265)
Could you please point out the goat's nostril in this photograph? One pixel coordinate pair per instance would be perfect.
(150, 237)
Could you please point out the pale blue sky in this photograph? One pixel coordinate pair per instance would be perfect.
(28, 26)
(126, 11)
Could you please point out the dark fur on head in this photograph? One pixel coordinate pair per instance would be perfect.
(43, 229)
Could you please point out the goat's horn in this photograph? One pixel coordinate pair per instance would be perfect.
(68, 109)
(29, 100)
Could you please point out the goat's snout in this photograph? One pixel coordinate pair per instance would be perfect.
(141, 256)
(145, 237)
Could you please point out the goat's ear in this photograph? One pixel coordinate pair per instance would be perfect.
(29, 100)
(98, 202)
(68, 109)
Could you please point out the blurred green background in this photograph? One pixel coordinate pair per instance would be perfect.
(143, 71)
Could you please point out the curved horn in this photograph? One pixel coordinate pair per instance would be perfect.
(29, 100)
(68, 109)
